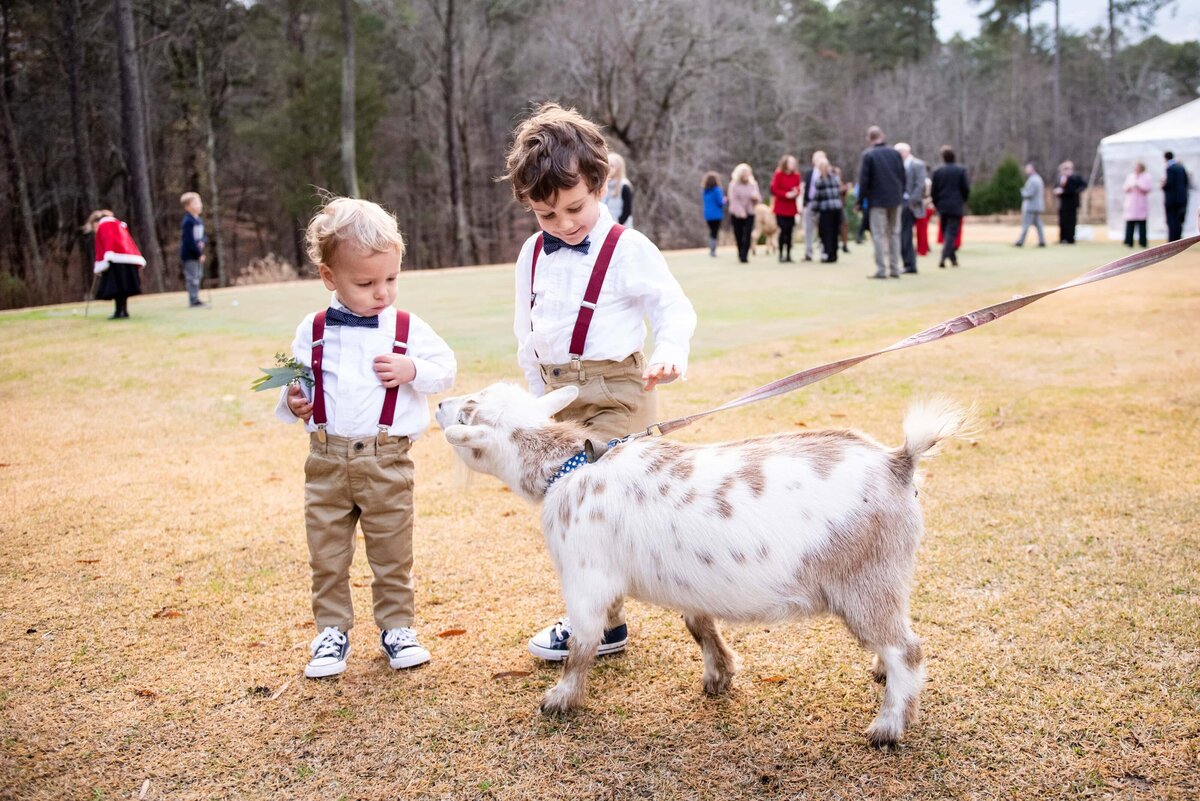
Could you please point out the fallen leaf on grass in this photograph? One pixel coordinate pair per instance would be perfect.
(360, 583)
(146, 693)
(247, 422)
(87, 561)
(802, 424)
(511, 674)
(167, 612)
(274, 477)
(451, 632)
(31, 631)
(145, 789)
(257, 645)
(179, 579)
(836, 414)
(279, 692)
(509, 513)
(5, 464)
(772, 679)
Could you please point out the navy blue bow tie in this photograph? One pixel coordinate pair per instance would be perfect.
(338, 317)
(553, 243)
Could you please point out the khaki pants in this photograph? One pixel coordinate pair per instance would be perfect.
(611, 404)
(611, 401)
(370, 483)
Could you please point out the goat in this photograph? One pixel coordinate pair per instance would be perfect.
(763, 530)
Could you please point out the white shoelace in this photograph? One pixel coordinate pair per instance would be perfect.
(563, 626)
(401, 638)
(328, 643)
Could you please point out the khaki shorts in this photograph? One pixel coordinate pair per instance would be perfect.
(611, 400)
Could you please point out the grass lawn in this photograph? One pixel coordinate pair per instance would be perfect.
(154, 613)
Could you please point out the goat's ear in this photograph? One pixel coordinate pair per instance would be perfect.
(461, 436)
(554, 402)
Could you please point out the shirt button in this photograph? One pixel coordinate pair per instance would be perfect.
(557, 371)
(358, 446)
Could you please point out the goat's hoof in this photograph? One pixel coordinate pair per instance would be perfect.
(884, 737)
(719, 684)
(556, 703)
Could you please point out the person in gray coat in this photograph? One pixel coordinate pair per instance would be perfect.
(915, 173)
(881, 186)
(1033, 203)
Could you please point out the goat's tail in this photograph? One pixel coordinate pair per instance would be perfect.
(927, 425)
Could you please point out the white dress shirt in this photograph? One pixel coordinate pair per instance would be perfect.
(353, 393)
(638, 285)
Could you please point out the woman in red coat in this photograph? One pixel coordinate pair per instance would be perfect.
(118, 261)
(785, 187)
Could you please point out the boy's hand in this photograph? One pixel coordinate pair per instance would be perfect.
(394, 369)
(659, 373)
(301, 406)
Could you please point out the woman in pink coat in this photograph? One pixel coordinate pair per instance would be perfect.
(1137, 187)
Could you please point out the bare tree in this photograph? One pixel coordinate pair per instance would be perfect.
(349, 166)
(133, 121)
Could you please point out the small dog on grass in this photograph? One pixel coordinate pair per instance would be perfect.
(764, 530)
(766, 225)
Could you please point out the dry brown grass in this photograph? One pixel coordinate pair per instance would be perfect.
(1058, 589)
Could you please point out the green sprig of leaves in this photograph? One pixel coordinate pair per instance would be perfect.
(286, 372)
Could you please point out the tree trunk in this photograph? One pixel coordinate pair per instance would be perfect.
(349, 168)
(27, 221)
(1112, 52)
(1057, 97)
(133, 131)
(210, 150)
(79, 130)
(449, 92)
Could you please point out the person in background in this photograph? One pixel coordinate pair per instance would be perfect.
(809, 212)
(118, 261)
(619, 194)
(1033, 203)
(1069, 187)
(828, 199)
(915, 173)
(844, 226)
(785, 188)
(714, 209)
(192, 244)
(864, 219)
(922, 224)
(1137, 204)
(950, 191)
(1175, 196)
(881, 179)
(743, 196)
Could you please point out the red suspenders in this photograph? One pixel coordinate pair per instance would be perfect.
(586, 309)
(399, 345)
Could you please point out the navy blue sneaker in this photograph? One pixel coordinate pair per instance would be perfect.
(551, 643)
(402, 649)
(329, 651)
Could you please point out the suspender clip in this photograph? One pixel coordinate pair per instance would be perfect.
(321, 431)
(577, 366)
(382, 437)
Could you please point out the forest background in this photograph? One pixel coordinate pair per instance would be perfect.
(257, 104)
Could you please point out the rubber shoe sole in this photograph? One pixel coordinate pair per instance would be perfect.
(409, 659)
(324, 671)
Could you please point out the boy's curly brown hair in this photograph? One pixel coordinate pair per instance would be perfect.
(553, 150)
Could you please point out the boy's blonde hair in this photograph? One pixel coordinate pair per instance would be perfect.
(553, 150)
(186, 198)
(362, 224)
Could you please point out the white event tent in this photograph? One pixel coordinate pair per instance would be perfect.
(1178, 130)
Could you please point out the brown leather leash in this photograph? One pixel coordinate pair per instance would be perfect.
(964, 322)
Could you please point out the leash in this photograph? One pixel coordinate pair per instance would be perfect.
(964, 322)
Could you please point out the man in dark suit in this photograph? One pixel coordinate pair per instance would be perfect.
(914, 204)
(1175, 196)
(950, 192)
(1069, 187)
(881, 185)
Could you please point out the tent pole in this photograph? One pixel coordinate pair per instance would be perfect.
(1087, 198)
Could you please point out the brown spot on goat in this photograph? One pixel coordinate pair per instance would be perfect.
(705, 557)
(913, 655)
(682, 470)
(724, 508)
(597, 514)
(763, 553)
(664, 489)
(901, 466)
(637, 493)
(598, 488)
(564, 515)
(686, 499)
(738, 557)
(754, 477)
(476, 453)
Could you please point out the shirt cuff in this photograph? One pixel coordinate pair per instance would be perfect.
(670, 354)
(430, 377)
(282, 412)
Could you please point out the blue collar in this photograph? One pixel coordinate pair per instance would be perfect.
(571, 465)
(579, 460)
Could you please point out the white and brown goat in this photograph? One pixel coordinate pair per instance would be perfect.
(763, 530)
